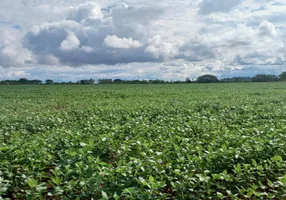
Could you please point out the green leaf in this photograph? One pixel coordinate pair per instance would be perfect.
(151, 178)
(104, 195)
(56, 180)
(129, 190)
(32, 183)
(155, 186)
(116, 197)
(283, 180)
(3, 190)
(177, 171)
(83, 144)
(277, 158)
(220, 195)
(251, 192)
(238, 168)
(269, 183)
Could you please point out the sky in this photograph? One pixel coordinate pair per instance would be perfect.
(70, 40)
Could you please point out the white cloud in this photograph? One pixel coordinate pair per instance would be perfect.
(95, 36)
(70, 43)
(12, 54)
(197, 36)
(13, 74)
(248, 46)
(160, 49)
(267, 29)
(113, 41)
(84, 11)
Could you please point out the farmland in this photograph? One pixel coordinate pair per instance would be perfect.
(184, 141)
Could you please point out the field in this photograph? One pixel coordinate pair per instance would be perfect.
(184, 141)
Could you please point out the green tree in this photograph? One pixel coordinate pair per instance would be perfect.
(282, 76)
(49, 81)
(207, 79)
(188, 80)
(264, 78)
(23, 81)
(105, 81)
(89, 81)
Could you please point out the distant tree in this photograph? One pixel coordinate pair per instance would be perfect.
(105, 81)
(178, 82)
(264, 78)
(144, 82)
(188, 80)
(23, 81)
(282, 76)
(10, 82)
(49, 81)
(117, 81)
(207, 79)
(89, 81)
(36, 81)
(157, 81)
(236, 79)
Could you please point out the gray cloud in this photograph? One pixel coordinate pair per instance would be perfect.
(260, 58)
(195, 50)
(174, 38)
(91, 36)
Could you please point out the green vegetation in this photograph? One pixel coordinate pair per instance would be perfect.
(207, 78)
(179, 141)
(265, 78)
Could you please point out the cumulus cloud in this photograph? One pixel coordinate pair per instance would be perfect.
(8, 73)
(46, 59)
(260, 58)
(90, 35)
(197, 50)
(267, 29)
(177, 37)
(253, 46)
(12, 54)
(160, 49)
(70, 43)
(84, 11)
(112, 41)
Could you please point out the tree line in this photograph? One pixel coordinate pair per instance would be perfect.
(202, 79)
